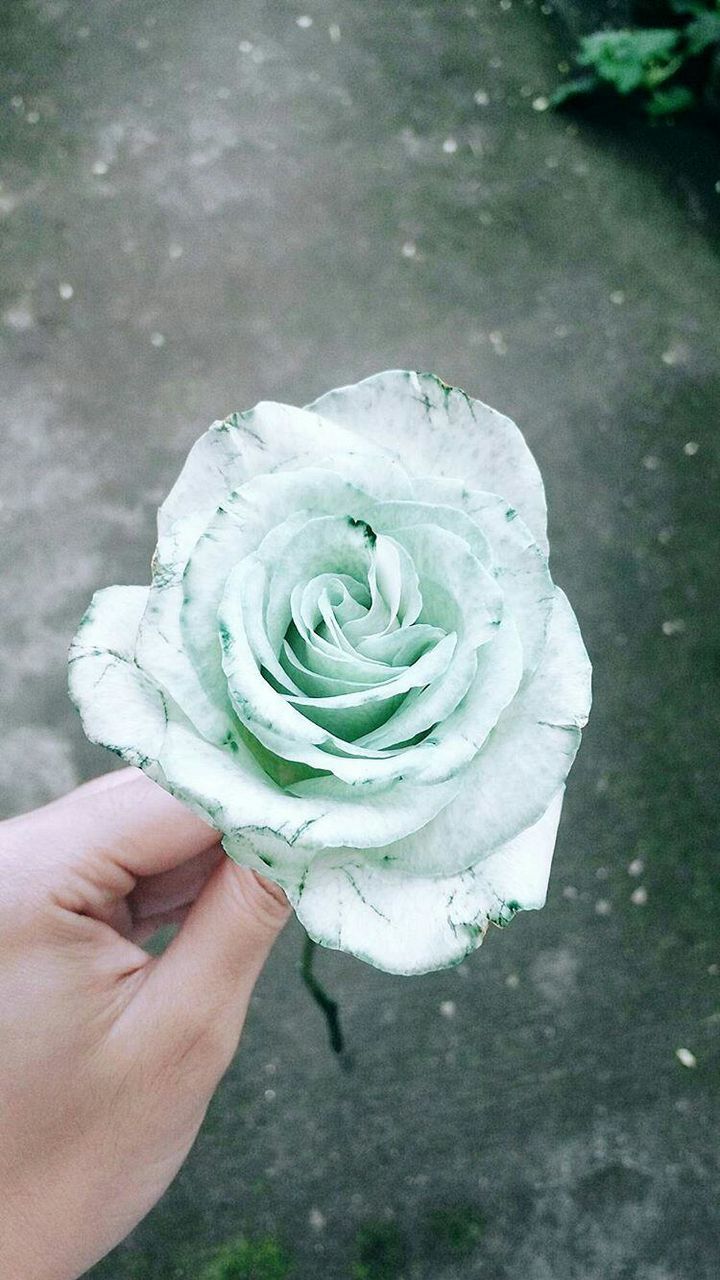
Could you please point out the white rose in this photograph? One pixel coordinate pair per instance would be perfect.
(352, 661)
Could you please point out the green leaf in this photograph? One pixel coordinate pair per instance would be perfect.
(574, 89)
(689, 6)
(665, 102)
(630, 60)
(703, 32)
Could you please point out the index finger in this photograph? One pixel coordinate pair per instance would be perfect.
(128, 823)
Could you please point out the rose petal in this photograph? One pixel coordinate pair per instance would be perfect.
(119, 705)
(408, 924)
(228, 788)
(523, 763)
(442, 432)
(256, 511)
(161, 653)
(259, 441)
(274, 719)
(519, 564)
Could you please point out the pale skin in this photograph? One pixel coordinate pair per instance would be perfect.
(110, 1056)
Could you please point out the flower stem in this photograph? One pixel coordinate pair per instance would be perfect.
(320, 995)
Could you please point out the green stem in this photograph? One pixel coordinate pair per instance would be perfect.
(320, 995)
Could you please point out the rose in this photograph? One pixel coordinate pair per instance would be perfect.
(352, 661)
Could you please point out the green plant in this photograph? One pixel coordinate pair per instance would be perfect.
(667, 68)
(244, 1259)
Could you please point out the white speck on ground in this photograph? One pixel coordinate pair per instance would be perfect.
(675, 354)
(8, 203)
(686, 1057)
(554, 974)
(19, 317)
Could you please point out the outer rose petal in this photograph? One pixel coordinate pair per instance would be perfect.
(440, 431)
(405, 924)
(249, 444)
(134, 719)
(120, 707)
(160, 652)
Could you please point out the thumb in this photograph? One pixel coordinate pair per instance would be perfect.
(199, 989)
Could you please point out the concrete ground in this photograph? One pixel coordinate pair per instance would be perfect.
(206, 202)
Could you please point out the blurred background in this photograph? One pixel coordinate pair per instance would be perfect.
(208, 202)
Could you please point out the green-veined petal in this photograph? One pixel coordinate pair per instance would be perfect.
(410, 924)
(440, 431)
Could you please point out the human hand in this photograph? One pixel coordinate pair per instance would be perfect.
(110, 1056)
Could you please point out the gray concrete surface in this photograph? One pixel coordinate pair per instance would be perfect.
(205, 203)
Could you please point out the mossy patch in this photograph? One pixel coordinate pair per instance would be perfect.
(455, 1232)
(243, 1259)
(381, 1252)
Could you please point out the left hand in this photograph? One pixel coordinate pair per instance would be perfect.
(109, 1055)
